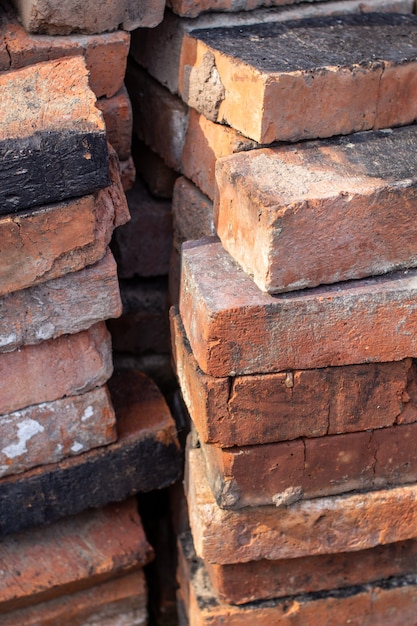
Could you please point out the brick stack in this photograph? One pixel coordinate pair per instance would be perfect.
(72, 438)
(294, 340)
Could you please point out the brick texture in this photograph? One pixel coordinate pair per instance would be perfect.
(117, 113)
(158, 177)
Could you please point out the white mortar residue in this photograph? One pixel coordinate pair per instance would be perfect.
(25, 431)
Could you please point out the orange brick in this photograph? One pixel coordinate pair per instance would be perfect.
(263, 408)
(116, 602)
(65, 305)
(234, 328)
(117, 113)
(309, 527)
(239, 77)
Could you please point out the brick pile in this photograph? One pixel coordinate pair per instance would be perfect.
(74, 436)
(294, 339)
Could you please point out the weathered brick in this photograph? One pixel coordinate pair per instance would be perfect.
(55, 18)
(264, 408)
(117, 113)
(49, 154)
(150, 47)
(385, 603)
(127, 174)
(351, 216)
(72, 554)
(158, 177)
(116, 602)
(370, 75)
(65, 305)
(320, 526)
(52, 431)
(234, 327)
(192, 213)
(52, 241)
(143, 246)
(143, 326)
(145, 457)
(67, 366)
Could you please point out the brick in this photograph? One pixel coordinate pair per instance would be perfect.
(52, 241)
(144, 326)
(260, 409)
(67, 366)
(105, 55)
(127, 174)
(328, 525)
(58, 154)
(234, 327)
(117, 113)
(52, 431)
(238, 77)
(158, 177)
(113, 603)
(143, 247)
(145, 457)
(311, 468)
(386, 603)
(149, 46)
(74, 553)
(54, 18)
(192, 213)
(65, 305)
(350, 193)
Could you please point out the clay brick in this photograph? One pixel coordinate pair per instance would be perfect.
(127, 174)
(310, 468)
(192, 213)
(351, 216)
(65, 305)
(52, 241)
(67, 366)
(145, 457)
(117, 113)
(72, 554)
(55, 18)
(158, 177)
(259, 409)
(238, 76)
(58, 154)
(150, 49)
(144, 326)
(234, 327)
(113, 603)
(387, 603)
(52, 431)
(105, 55)
(310, 527)
(143, 247)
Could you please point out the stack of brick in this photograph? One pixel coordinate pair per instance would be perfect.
(294, 340)
(73, 437)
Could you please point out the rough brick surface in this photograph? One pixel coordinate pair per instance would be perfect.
(320, 526)
(72, 554)
(158, 177)
(233, 327)
(143, 247)
(388, 603)
(127, 174)
(117, 113)
(67, 366)
(145, 457)
(370, 75)
(116, 602)
(52, 241)
(258, 409)
(52, 431)
(192, 213)
(65, 305)
(55, 152)
(351, 216)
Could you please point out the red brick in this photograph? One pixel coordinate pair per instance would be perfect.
(65, 305)
(234, 328)
(127, 174)
(117, 113)
(52, 431)
(309, 527)
(158, 177)
(192, 213)
(264, 408)
(237, 79)
(143, 247)
(72, 554)
(116, 602)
